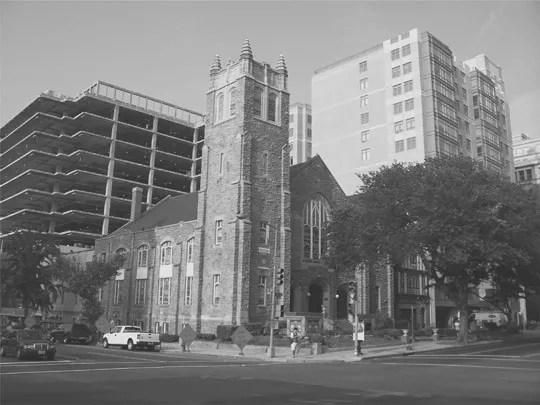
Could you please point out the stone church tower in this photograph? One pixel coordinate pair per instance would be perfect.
(244, 198)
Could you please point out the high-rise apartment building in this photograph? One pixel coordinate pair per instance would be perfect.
(406, 99)
(300, 133)
(69, 165)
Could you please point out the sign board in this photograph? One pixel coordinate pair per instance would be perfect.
(313, 326)
(274, 324)
(103, 325)
(241, 337)
(29, 321)
(187, 335)
(360, 333)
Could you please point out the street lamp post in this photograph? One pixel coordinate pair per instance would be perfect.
(271, 350)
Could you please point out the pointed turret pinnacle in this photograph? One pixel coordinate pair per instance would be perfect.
(229, 61)
(216, 66)
(281, 64)
(246, 51)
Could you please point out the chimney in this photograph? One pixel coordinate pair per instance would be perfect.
(136, 199)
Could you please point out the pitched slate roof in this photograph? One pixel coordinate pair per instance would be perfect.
(170, 210)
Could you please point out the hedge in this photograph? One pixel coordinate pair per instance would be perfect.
(169, 338)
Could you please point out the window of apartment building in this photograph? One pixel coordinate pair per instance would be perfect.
(459, 123)
(475, 101)
(262, 290)
(309, 119)
(407, 68)
(410, 123)
(398, 127)
(257, 102)
(140, 291)
(409, 104)
(190, 250)
(164, 291)
(309, 133)
(117, 296)
(216, 279)
(462, 77)
(524, 175)
(411, 143)
(364, 118)
(467, 128)
(397, 90)
(406, 50)
(408, 86)
(291, 132)
(366, 154)
(503, 119)
(364, 136)
(468, 144)
(400, 146)
(221, 163)
(465, 110)
(394, 40)
(460, 140)
(479, 151)
(219, 232)
(405, 35)
(364, 101)
(396, 72)
(232, 102)
(476, 114)
(263, 233)
(364, 84)
(188, 296)
(166, 253)
(272, 107)
(464, 93)
(395, 54)
(362, 66)
(291, 118)
(398, 108)
(103, 257)
(142, 256)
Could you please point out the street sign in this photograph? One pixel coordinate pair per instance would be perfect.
(102, 324)
(187, 335)
(241, 337)
(274, 324)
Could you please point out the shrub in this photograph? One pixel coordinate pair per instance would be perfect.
(168, 338)
(402, 324)
(255, 329)
(382, 321)
(316, 338)
(447, 332)
(206, 336)
(390, 333)
(224, 332)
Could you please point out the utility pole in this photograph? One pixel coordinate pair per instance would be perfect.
(271, 350)
(356, 314)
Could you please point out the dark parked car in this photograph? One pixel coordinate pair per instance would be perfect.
(25, 344)
(78, 333)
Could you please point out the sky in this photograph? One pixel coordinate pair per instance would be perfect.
(165, 49)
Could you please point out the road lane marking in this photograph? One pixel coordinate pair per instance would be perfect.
(505, 348)
(124, 357)
(83, 370)
(41, 363)
(459, 365)
(532, 355)
(492, 358)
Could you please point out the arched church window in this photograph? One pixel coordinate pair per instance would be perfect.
(220, 105)
(272, 107)
(257, 102)
(232, 102)
(315, 220)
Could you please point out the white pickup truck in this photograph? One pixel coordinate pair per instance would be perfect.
(131, 337)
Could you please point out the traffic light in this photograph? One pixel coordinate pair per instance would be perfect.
(352, 290)
(281, 277)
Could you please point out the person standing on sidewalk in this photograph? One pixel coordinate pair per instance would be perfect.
(295, 342)
(358, 338)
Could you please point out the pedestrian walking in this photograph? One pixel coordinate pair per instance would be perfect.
(295, 348)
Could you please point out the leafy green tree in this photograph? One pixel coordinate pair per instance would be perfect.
(85, 280)
(27, 269)
(466, 223)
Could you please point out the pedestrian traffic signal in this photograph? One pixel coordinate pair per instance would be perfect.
(352, 290)
(281, 277)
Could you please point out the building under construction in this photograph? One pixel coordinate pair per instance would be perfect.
(68, 165)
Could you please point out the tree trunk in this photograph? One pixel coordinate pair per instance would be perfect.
(463, 308)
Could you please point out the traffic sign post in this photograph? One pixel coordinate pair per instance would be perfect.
(187, 335)
(241, 337)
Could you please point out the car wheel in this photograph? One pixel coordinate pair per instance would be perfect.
(130, 345)
(105, 343)
(2, 351)
(19, 354)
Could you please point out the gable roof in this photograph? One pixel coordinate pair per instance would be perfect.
(299, 168)
(170, 210)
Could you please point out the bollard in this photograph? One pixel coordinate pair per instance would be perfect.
(435, 336)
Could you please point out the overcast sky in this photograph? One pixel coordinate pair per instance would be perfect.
(165, 49)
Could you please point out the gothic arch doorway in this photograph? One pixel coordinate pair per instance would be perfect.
(315, 301)
(341, 302)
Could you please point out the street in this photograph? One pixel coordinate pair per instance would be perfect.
(498, 373)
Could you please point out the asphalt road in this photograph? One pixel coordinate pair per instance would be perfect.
(491, 374)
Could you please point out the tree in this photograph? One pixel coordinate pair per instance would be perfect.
(85, 280)
(466, 223)
(27, 269)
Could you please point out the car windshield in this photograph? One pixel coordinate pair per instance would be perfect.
(29, 334)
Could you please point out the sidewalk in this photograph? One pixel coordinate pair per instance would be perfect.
(283, 354)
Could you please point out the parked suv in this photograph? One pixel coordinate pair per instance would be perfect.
(78, 333)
